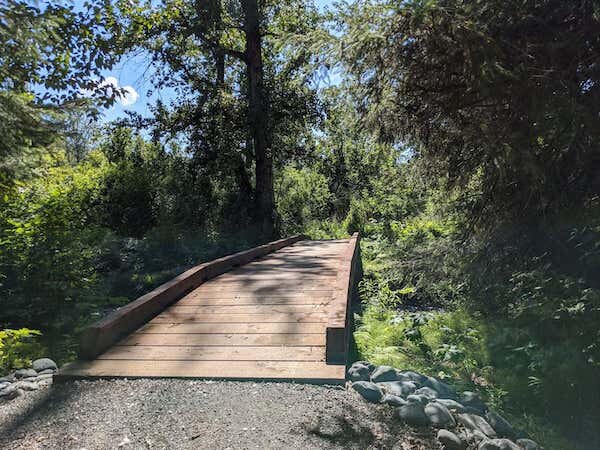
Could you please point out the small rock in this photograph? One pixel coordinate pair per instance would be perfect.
(413, 414)
(498, 444)
(359, 372)
(44, 376)
(3, 384)
(473, 422)
(8, 378)
(393, 400)
(474, 437)
(384, 373)
(450, 440)
(369, 391)
(43, 364)
(452, 405)
(371, 366)
(473, 400)
(26, 385)
(500, 424)
(24, 373)
(46, 371)
(415, 398)
(427, 392)
(439, 416)
(400, 388)
(528, 444)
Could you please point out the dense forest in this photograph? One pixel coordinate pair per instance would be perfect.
(460, 138)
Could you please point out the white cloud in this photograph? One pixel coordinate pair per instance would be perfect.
(127, 97)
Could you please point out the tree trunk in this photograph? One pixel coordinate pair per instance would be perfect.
(258, 119)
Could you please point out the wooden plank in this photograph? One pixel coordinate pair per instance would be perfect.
(104, 333)
(245, 309)
(240, 328)
(239, 318)
(214, 353)
(254, 299)
(307, 371)
(183, 340)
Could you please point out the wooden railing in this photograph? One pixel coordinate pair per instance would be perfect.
(339, 325)
(103, 334)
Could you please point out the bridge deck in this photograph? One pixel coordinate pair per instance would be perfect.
(264, 320)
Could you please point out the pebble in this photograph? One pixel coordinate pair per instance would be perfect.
(413, 414)
(439, 416)
(369, 391)
(384, 373)
(450, 440)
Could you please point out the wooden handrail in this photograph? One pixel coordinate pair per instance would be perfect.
(103, 334)
(339, 324)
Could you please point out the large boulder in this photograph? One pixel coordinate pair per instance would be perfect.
(384, 373)
(474, 422)
(439, 416)
(413, 414)
(498, 444)
(369, 391)
(44, 364)
(500, 424)
(451, 441)
(359, 372)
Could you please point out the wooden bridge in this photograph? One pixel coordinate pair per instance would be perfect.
(280, 311)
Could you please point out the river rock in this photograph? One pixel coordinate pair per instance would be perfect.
(24, 373)
(3, 384)
(359, 372)
(528, 444)
(474, 422)
(369, 391)
(452, 405)
(450, 441)
(415, 398)
(393, 400)
(415, 377)
(427, 392)
(384, 373)
(498, 444)
(413, 414)
(473, 400)
(401, 388)
(443, 390)
(43, 364)
(439, 416)
(10, 392)
(500, 424)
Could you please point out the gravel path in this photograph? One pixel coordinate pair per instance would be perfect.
(182, 414)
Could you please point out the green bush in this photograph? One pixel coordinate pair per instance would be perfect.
(18, 348)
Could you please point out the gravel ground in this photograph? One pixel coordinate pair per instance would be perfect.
(183, 414)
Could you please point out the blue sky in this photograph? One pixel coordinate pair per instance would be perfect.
(131, 73)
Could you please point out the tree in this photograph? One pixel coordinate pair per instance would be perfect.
(230, 100)
(502, 98)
